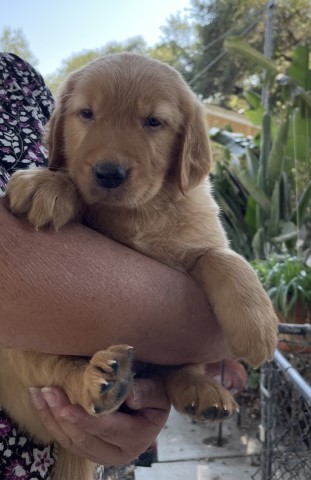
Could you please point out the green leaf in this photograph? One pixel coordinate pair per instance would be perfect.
(306, 97)
(250, 216)
(258, 243)
(285, 237)
(252, 163)
(265, 147)
(277, 153)
(272, 292)
(298, 142)
(254, 116)
(255, 191)
(288, 232)
(274, 219)
(285, 199)
(299, 67)
(236, 45)
(304, 202)
(256, 113)
(291, 297)
(282, 298)
(254, 100)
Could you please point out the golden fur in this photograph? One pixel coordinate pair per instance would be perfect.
(139, 115)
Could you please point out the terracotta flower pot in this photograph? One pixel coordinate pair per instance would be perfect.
(295, 343)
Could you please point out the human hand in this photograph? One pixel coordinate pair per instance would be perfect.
(110, 440)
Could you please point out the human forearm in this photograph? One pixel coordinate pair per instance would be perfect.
(76, 292)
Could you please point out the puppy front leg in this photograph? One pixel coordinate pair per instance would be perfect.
(99, 384)
(240, 303)
(45, 197)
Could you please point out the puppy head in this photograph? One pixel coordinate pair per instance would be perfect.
(126, 127)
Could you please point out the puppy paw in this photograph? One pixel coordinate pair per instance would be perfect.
(201, 397)
(47, 198)
(255, 337)
(107, 379)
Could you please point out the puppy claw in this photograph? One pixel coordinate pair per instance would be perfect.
(130, 352)
(190, 409)
(211, 413)
(97, 410)
(105, 386)
(216, 413)
(115, 366)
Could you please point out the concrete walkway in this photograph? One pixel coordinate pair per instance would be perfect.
(188, 451)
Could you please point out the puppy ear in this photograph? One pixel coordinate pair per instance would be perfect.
(54, 137)
(195, 156)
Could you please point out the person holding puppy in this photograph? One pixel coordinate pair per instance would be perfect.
(75, 292)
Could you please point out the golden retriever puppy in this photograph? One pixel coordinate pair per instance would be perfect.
(129, 154)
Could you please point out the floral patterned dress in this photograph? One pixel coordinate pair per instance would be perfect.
(25, 107)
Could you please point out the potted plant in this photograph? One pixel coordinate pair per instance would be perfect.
(287, 280)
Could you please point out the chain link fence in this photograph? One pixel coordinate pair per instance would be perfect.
(285, 430)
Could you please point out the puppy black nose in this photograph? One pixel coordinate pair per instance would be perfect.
(110, 175)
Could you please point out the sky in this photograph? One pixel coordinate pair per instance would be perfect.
(57, 29)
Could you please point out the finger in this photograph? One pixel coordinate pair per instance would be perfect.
(116, 428)
(108, 439)
(113, 437)
(50, 403)
(57, 398)
(96, 449)
(148, 393)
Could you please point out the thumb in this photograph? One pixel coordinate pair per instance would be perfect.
(148, 393)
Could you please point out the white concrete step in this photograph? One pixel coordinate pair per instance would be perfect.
(188, 451)
(233, 469)
(183, 440)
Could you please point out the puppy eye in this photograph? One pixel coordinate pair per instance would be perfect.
(152, 122)
(86, 114)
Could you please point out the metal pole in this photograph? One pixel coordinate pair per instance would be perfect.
(267, 388)
(222, 376)
(293, 376)
(268, 47)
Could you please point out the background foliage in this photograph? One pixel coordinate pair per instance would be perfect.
(272, 203)
(14, 41)
(193, 42)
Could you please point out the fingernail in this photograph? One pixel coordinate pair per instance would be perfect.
(50, 397)
(136, 392)
(68, 417)
(37, 398)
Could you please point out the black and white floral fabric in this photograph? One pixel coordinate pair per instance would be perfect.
(21, 458)
(25, 107)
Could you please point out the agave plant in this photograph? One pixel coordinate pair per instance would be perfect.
(274, 208)
(232, 199)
